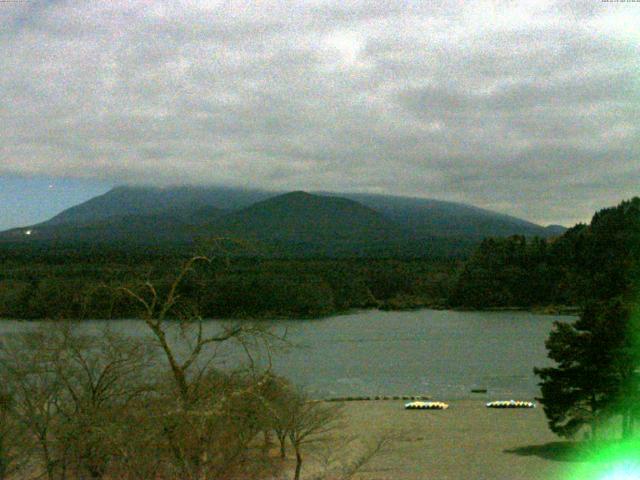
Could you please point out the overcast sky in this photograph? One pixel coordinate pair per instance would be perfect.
(530, 108)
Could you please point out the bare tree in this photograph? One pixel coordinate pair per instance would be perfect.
(310, 422)
(157, 309)
(379, 446)
(276, 397)
(26, 370)
(13, 454)
(214, 420)
(90, 406)
(70, 392)
(336, 465)
(101, 377)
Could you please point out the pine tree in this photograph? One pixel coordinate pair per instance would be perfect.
(598, 356)
(595, 376)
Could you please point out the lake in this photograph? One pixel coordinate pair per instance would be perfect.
(443, 354)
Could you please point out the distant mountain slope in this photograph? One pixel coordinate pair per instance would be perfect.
(298, 218)
(302, 217)
(426, 217)
(555, 230)
(122, 201)
(168, 226)
(296, 223)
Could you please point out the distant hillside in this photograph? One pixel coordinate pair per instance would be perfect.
(295, 223)
(554, 230)
(426, 217)
(121, 201)
(302, 217)
(154, 229)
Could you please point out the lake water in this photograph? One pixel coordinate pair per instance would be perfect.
(443, 354)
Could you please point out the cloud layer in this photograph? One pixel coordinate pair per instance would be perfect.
(528, 107)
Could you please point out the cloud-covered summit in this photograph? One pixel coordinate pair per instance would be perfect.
(525, 107)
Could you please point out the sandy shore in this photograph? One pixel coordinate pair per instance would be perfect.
(467, 441)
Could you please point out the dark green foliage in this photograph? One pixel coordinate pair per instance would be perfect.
(596, 267)
(586, 263)
(594, 365)
(510, 272)
(598, 356)
(305, 218)
(255, 295)
(611, 251)
(84, 285)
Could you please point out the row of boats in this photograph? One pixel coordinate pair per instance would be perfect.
(426, 406)
(511, 404)
(444, 406)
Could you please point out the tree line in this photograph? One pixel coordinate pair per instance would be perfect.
(53, 285)
(518, 272)
(587, 262)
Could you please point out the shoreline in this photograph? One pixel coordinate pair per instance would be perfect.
(550, 310)
(467, 440)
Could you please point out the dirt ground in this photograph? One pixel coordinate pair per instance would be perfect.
(467, 441)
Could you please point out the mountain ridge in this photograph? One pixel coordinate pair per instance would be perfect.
(300, 222)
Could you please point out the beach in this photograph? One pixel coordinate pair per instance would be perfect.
(466, 441)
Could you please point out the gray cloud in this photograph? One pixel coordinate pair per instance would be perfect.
(526, 107)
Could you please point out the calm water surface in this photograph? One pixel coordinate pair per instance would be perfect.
(439, 353)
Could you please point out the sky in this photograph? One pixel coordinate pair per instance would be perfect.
(526, 107)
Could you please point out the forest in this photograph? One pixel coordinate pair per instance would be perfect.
(587, 263)
(72, 285)
(512, 272)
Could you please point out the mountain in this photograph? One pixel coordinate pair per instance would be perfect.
(303, 217)
(168, 226)
(427, 217)
(295, 223)
(554, 230)
(126, 200)
(303, 224)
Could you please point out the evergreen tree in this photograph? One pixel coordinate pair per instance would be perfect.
(595, 367)
(598, 356)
